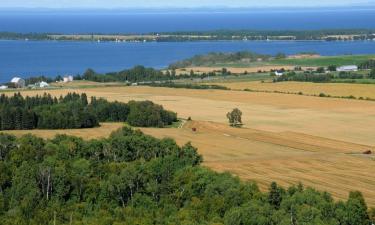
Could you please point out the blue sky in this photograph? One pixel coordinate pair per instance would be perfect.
(178, 3)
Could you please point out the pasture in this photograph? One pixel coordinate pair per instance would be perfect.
(286, 138)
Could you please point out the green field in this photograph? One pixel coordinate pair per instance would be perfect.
(325, 61)
(314, 62)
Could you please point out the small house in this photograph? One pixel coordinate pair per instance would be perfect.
(3, 87)
(349, 68)
(43, 84)
(18, 82)
(279, 73)
(67, 79)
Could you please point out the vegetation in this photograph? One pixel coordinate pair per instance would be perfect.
(217, 58)
(306, 76)
(132, 178)
(327, 35)
(23, 36)
(188, 85)
(369, 64)
(235, 118)
(75, 111)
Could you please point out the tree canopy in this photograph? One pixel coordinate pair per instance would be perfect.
(132, 178)
(76, 111)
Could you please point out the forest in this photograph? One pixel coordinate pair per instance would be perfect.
(75, 111)
(132, 178)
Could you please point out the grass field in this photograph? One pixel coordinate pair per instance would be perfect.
(286, 63)
(325, 60)
(286, 138)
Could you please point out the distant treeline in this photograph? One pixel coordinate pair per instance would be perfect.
(370, 64)
(316, 77)
(305, 77)
(23, 36)
(188, 85)
(328, 35)
(143, 74)
(74, 111)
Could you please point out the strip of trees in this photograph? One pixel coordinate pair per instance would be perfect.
(131, 178)
(75, 111)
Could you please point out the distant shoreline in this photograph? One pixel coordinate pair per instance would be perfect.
(217, 35)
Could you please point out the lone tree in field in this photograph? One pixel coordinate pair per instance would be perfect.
(235, 118)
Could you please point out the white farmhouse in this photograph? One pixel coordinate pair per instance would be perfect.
(67, 79)
(279, 73)
(349, 68)
(18, 82)
(43, 84)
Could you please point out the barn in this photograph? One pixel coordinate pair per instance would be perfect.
(18, 82)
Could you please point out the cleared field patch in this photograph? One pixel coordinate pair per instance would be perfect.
(304, 61)
(104, 130)
(333, 89)
(324, 60)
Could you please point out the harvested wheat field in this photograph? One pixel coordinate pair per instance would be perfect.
(286, 138)
(333, 89)
(104, 130)
(285, 157)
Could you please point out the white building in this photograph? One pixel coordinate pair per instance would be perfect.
(3, 87)
(279, 73)
(350, 68)
(67, 79)
(18, 82)
(43, 84)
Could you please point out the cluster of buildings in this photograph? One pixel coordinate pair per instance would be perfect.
(18, 82)
(348, 68)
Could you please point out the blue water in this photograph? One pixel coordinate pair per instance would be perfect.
(57, 58)
(51, 58)
(183, 20)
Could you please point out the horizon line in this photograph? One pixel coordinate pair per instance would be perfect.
(240, 8)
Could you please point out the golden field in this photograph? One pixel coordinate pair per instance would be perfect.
(104, 130)
(333, 89)
(286, 138)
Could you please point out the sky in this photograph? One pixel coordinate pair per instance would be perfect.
(111, 4)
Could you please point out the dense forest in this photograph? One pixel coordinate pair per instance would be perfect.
(76, 111)
(131, 178)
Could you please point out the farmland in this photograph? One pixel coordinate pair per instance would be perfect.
(333, 89)
(288, 63)
(286, 138)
